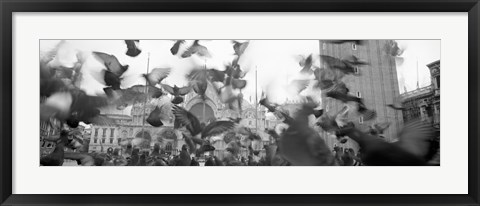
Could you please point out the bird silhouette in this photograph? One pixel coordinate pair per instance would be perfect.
(347, 66)
(306, 64)
(177, 92)
(332, 123)
(176, 46)
(378, 128)
(199, 81)
(234, 71)
(239, 47)
(326, 78)
(156, 116)
(114, 69)
(157, 75)
(132, 47)
(193, 125)
(197, 49)
(391, 48)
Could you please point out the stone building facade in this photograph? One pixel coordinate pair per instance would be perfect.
(376, 83)
(424, 103)
(129, 124)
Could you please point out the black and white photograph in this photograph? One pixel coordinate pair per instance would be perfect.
(253, 102)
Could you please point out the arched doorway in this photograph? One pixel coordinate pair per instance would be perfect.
(144, 134)
(169, 147)
(147, 138)
(198, 111)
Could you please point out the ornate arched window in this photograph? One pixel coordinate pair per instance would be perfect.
(169, 147)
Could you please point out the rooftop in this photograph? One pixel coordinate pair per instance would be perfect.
(433, 63)
(418, 92)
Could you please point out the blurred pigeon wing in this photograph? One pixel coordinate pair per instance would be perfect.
(176, 46)
(352, 59)
(188, 119)
(203, 51)
(184, 90)
(154, 92)
(61, 101)
(331, 61)
(217, 127)
(158, 74)
(337, 64)
(133, 50)
(111, 62)
(198, 75)
(239, 48)
(168, 88)
(200, 87)
(414, 137)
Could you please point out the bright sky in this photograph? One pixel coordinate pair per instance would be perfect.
(276, 61)
(426, 52)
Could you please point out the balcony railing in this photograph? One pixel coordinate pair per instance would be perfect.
(419, 91)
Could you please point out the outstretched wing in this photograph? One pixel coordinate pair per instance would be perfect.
(185, 118)
(158, 74)
(217, 127)
(415, 136)
(337, 64)
(168, 88)
(264, 102)
(307, 62)
(176, 46)
(352, 59)
(154, 92)
(197, 75)
(239, 48)
(198, 80)
(111, 62)
(104, 57)
(184, 90)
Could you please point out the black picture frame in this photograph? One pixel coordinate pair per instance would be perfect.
(8, 7)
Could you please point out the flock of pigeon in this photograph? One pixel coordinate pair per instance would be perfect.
(294, 142)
